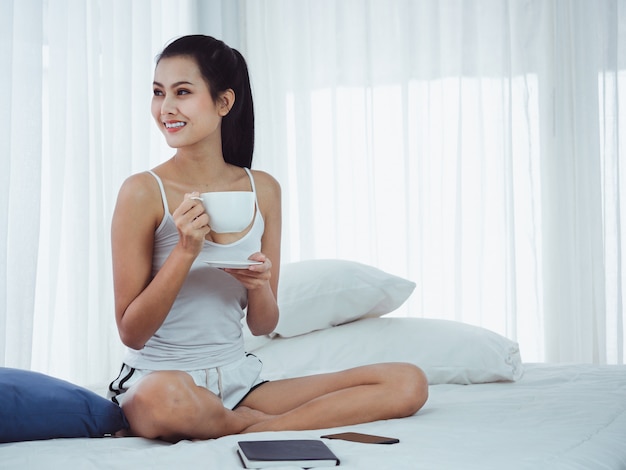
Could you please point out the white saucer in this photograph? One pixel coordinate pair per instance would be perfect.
(232, 264)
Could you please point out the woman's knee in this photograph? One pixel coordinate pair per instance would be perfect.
(410, 386)
(155, 400)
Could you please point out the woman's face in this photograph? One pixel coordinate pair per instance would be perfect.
(182, 105)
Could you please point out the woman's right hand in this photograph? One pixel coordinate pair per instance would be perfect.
(192, 223)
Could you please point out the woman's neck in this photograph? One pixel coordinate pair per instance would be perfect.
(203, 172)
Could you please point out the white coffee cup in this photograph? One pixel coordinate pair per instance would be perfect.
(229, 211)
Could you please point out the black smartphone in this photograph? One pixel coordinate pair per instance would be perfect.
(364, 438)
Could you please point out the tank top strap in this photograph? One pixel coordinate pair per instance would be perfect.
(252, 184)
(163, 197)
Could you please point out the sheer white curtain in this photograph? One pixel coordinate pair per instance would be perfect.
(470, 146)
(76, 84)
(20, 167)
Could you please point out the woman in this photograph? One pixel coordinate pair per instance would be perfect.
(186, 374)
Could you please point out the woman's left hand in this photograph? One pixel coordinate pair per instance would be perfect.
(257, 275)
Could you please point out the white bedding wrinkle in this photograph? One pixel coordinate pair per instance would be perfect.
(554, 417)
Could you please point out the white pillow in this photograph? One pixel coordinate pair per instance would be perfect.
(317, 294)
(447, 351)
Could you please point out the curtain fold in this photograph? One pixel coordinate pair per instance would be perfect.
(612, 101)
(573, 240)
(20, 145)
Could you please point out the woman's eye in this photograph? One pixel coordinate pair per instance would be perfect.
(158, 93)
(183, 92)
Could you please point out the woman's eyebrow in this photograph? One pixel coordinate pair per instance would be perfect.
(174, 85)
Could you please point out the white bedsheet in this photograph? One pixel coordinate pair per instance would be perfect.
(555, 417)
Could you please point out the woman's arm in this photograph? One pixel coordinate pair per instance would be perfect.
(142, 303)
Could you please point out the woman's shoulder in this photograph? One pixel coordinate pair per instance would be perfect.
(140, 184)
(140, 189)
(266, 183)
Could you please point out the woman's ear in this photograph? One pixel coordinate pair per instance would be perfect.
(225, 102)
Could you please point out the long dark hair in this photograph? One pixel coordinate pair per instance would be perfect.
(223, 67)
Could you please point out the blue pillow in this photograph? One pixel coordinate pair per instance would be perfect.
(36, 406)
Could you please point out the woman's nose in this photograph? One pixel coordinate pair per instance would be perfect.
(168, 105)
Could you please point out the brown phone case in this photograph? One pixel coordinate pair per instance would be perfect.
(364, 438)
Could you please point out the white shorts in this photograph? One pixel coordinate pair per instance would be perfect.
(231, 383)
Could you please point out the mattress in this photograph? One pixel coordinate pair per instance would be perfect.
(569, 416)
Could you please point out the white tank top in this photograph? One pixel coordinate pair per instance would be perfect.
(203, 327)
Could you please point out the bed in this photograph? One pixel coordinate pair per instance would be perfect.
(486, 408)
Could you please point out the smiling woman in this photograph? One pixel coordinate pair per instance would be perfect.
(181, 317)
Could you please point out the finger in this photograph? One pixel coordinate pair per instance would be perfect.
(195, 211)
(252, 277)
(258, 256)
(201, 220)
(193, 197)
(200, 226)
(261, 268)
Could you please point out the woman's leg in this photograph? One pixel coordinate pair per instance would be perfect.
(168, 405)
(353, 396)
